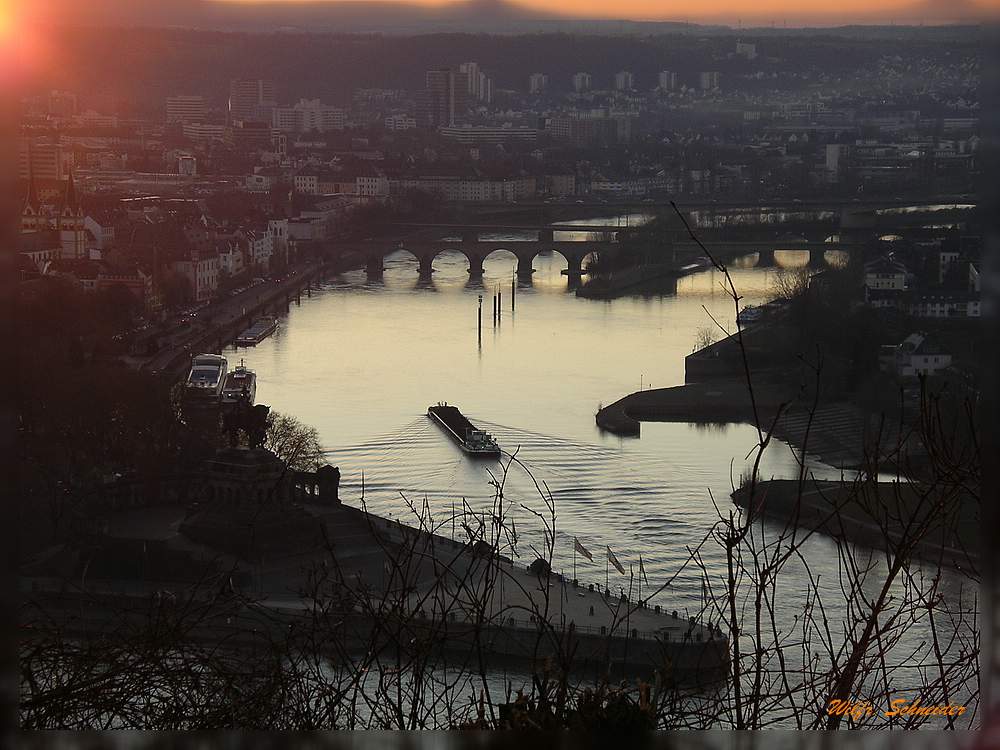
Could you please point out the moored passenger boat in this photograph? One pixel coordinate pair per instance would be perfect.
(207, 375)
(240, 383)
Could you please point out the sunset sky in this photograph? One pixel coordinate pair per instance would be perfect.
(859, 10)
(733, 12)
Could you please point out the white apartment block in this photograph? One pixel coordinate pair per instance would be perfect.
(582, 82)
(400, 122)
(372, 186)
(308, 115)
(203, 131)
(468, 190)
(708, 81)
(184, 108)
(306, 183)
(624, 81)
(489, 133)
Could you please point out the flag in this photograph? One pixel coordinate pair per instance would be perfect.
(642, 570)
(614, 561)
(582, 550)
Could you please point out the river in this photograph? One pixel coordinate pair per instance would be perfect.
(361, 361)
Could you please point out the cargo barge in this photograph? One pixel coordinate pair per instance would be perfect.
(259, 331)
(470, 438)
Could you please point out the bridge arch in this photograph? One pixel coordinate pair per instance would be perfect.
(572, 258)
(424, 255)
(507, 254)
(399, 254)
(473, 264)
(562, 261)
(791, 257)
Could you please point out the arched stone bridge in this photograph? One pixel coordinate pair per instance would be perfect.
(575, 253)
(476, 251)
(426, 245)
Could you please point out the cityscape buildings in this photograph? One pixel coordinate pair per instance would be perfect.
(251, 99)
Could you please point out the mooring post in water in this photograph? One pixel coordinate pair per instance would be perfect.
(494, 310)
(499, 304)
(480, 321)
(513, 290)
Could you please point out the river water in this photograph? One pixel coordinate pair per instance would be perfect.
(361, 361)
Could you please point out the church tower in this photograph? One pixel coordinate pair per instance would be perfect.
(31, 212)
(72, 234)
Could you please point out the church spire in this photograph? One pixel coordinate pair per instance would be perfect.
(72, 201)
(32, 200)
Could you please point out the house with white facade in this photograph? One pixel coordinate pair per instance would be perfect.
(916, 355)
(260, 246)
(232, 258)
(202, 270)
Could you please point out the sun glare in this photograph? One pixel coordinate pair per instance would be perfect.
(6, 19)
(21, 48)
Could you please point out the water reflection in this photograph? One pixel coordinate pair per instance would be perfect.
(362, 360)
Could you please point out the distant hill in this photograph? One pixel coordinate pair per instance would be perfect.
(135, 69)
(491, 16)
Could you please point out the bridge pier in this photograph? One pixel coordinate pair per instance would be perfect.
(374, 268)
(574, 267)
(475, 268)
(765, 258)
(817, 256)
(524, 269)
(425, 268)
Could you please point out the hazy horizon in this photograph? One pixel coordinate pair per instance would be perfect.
(326, 14)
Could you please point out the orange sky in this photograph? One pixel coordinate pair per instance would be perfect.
(732, 12)
(928, 11)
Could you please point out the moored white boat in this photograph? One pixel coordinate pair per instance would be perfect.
(207, 375)
(240, 383)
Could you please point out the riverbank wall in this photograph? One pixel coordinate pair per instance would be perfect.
(876, 514)
(720, 401)
(495, 606)
(220, 331)
(240, 625)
